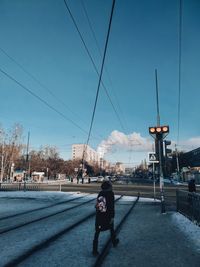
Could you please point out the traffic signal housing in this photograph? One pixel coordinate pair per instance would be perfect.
(159, 132)
(167, 150)
(159, 129)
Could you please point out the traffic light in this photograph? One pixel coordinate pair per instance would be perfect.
(167, 150)
(159, 129)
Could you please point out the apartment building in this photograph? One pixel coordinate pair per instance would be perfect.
(90, 155)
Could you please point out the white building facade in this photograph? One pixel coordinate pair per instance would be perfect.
(90, 155)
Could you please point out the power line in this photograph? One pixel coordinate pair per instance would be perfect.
(91, 28)
(41, 84)
(98, 87)
(37, 81)
(101, 71)
(100, 53)
(92, 60)
(43, 101)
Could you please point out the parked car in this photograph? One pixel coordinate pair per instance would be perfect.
(113, 178)
(100, 179)
(93, 179)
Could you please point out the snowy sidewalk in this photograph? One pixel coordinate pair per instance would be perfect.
(147, 238)
(151, 239)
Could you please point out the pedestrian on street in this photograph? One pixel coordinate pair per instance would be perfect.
(191, 189)
(105, 213)
(191, 185)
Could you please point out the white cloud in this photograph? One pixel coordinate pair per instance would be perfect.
(134, 142)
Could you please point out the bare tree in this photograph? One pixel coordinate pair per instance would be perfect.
(10, 148)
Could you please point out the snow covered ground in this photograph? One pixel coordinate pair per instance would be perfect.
(188, 228)
(57, 196)
(19, 201)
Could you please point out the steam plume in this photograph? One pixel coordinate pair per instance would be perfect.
(118, 139)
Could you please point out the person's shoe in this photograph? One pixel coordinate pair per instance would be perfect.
(95, 253)
(115, 242)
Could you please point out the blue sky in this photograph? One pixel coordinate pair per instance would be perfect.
(40, 36)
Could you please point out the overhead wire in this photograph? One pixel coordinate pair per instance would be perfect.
(94, 36)
(37, 81)
(101, 71)
(100, 53)
(42, 100)
(98, 86)
(92, 60)
(108, 75)
(99, 83)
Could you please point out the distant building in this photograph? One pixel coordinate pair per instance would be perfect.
(18, 175)
(192, 158)
(105, 165)
(37, 176)
(189, 165)
(119, 167)
(90, 155)
(129, 171)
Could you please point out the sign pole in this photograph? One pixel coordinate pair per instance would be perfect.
(161, 178)
(152, 159)
(154, 184)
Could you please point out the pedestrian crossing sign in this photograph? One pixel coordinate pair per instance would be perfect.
(152, 157)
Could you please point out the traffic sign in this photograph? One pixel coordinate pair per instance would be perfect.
(152, 157)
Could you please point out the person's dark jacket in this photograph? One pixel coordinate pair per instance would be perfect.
(104, 219)
(192, 186)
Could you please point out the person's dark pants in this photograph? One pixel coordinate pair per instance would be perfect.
(96, 237)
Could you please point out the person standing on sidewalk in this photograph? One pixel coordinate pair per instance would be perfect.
(192, 190)
(105, 213)
(191, 185)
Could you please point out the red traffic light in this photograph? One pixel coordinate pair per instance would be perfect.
(158, 129)
(152, 129)
(165, 129)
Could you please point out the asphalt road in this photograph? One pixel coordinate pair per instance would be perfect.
(131, 189)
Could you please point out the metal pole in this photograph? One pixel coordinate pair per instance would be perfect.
(154, 184)
(157, 99)
(161, 178)
(159, 148)
(2, 162)
(26, 167)
(83, 160)
(177, 163)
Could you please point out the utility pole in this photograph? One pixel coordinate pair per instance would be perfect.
(177, 163)
(82, 167)
(2, 162)
(159, 146)
(157, 99)
(160, 143)
(26, 162)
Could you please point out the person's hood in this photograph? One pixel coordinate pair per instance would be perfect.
(106, 186)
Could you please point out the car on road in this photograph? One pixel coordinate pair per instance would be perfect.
(93, 179)
(100, 179)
